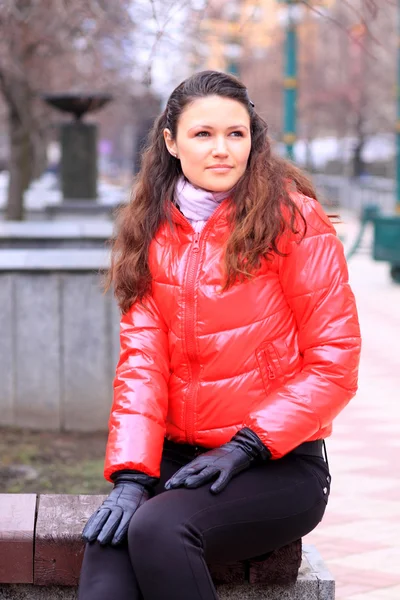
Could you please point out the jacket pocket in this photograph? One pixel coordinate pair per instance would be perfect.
(269, 364)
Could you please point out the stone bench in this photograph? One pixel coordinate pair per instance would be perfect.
(54, 234)
(41, 553)
(84, 208)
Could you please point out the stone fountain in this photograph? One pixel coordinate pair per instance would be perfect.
(78, 144)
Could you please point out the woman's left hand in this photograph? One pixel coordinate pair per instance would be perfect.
(225, 462)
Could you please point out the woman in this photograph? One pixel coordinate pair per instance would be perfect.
(239, 345)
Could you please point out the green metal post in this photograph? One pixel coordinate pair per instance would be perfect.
(290, 82)
(398, 114)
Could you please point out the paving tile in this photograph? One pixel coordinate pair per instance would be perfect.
(390, 593)
(345, 463)
(332, 548)
(368, 577)
(355, 485)
(336, 518)
(393, 494)
(384, 470)
(383, 560)
(384, 427)
(368, 508)
(345, 590)
(346, 445)
(368, 530)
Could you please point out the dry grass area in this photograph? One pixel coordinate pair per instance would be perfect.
(52, 462)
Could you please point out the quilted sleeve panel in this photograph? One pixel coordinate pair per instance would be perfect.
(139, 409)
(314, 279)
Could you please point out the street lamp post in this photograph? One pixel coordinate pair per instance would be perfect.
(398, 113)
(290, 77)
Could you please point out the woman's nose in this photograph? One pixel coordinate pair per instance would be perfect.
(220, 148)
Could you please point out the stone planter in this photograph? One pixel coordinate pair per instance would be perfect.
(59, 340)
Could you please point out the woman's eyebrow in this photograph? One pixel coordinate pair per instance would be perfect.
(211, 127)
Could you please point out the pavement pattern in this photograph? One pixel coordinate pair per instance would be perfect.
(359, 537)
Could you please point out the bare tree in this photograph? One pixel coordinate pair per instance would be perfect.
(167, 40)
(348, 89)
(49, 45)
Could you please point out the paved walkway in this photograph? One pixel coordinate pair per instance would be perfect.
(359, 537)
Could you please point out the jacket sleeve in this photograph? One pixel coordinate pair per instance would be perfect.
(314, 279)
(140, 403)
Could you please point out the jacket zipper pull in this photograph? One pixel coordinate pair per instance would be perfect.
(196, 242)
(271, 374)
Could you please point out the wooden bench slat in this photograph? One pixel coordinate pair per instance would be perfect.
(17, 522)
(59, 547)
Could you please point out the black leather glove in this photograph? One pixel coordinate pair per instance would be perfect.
(226, 461)
(109, 524)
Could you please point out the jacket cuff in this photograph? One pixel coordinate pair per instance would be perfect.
(130, 476)
(251, 444)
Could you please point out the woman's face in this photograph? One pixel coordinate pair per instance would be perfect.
(213, 142)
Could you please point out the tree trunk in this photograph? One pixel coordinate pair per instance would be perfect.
(20, 168)
(22, 152)
(358, 163)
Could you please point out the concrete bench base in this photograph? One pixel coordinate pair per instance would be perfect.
(314, 583)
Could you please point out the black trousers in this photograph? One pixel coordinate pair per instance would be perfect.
(174, 535)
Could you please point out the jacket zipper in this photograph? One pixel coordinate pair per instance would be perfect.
(271, 372)
(190, 319)
(191, 336)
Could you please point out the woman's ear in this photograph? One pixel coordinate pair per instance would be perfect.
(170, 143)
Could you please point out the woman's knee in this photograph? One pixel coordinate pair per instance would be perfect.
(149, 524)
(158, 526)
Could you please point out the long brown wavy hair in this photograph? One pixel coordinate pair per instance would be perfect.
(262, 206)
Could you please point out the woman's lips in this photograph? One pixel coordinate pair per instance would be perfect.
(220, 168)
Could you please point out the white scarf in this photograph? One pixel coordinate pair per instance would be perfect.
(196, 203)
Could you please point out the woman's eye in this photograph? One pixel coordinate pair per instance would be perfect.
(207, 134)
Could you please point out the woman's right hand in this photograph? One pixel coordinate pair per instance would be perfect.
(109, 524)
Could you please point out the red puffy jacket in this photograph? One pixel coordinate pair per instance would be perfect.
(278, 353)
